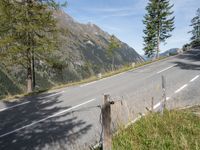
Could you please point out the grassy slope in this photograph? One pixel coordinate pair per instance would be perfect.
(8, 86)
(175, 130)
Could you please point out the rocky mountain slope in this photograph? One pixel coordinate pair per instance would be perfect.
(87, 42)
(81, 53)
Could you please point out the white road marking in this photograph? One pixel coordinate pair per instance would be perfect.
(157, 105)
(14, 106)
(102, 79)
(196, 77)
(52, 95)
(29, 101)
(56, 114)
(133, 121)
(88, 84)
(118, 74)
(166, 69)
(181, 88)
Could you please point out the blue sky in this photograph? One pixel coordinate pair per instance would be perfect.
(123, 18)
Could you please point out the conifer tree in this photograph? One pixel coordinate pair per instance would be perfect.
(195, 23)
(113, 45)
(158, 22)
(27, 30)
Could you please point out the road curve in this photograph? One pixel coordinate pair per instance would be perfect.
(69, 118)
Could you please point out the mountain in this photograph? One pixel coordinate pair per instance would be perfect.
(88, 43)
(172, 51)
(81, 54)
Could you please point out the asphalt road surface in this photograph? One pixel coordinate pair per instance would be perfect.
(69, 118)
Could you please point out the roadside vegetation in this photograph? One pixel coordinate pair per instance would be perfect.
(195, 24)
(174, 130)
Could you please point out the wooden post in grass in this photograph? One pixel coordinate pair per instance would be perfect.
(106, 123)
(152, 104)
(164, 93)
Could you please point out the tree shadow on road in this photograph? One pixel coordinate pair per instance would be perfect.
(193, 55)
(193, 63)
(57, 132)
(187, 66)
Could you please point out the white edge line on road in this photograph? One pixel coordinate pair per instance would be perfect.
(181, 88)
(196, 77)
(56, 114)
(102, 79)
(157, 105)
(3, 109)
(14, 106)
(88, 84)
(52, 95)
(166, 69)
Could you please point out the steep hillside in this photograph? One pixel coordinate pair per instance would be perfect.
(81, 53)
(87, 42)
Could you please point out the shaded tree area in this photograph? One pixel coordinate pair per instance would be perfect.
(195, 23)
(6, 81)
(27, 32)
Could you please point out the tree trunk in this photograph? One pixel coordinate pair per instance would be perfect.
(113, 59)
(158, 49)
(158, 44)
(33, 69)
(29, 80)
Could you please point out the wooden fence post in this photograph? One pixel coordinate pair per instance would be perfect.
(106, 123)
(152, 104)
(164, 93)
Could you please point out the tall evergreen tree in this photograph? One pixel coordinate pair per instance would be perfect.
(158, 22)
(27, 30)
(195, 23)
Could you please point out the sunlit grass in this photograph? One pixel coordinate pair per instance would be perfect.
(174, 130)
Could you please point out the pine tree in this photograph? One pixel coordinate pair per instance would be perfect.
(158, 24)
(27, 30)
(113, 45)
(195, 23)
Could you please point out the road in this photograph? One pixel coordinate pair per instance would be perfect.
(69, 118)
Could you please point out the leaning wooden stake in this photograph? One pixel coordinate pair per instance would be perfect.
(106, 122)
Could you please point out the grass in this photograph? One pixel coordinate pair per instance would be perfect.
(91, 79)
(175, 130)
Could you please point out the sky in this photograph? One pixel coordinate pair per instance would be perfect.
(123, 18)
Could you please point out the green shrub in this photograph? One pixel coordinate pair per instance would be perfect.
(195, 43)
